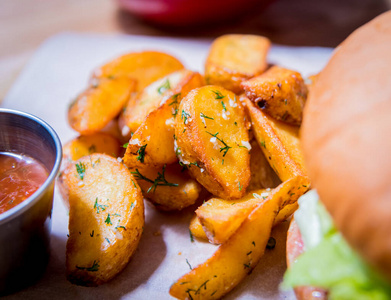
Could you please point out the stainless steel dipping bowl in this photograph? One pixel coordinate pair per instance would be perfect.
(25, 229)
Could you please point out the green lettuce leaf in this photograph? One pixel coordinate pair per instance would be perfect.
(334, 266)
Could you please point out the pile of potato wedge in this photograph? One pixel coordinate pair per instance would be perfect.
(151, 129)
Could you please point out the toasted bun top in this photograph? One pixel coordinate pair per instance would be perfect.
(346, 136)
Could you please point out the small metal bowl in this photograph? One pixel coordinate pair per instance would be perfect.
(25, 229)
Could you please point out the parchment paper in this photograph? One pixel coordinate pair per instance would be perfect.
(56, 74)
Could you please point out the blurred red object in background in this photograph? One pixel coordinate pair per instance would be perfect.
(191, 12)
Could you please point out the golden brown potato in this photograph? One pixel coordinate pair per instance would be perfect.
(145, 67)
(149, 99)
(221, 218)
(234, 58)
(279, 142)
(106, 219)
(167, 187)
(85, 145)
(262, 174)
(240, 254)
(280, 92)
(212, 141)
(153, 141)
(99, 104)
(196, 229)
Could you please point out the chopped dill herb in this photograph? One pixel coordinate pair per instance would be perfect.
(263, 144)
(164, 87)
(141, 153)
(225, 148)
(159, 181)
(93, 268)
(206, 117)
(108, 220)
(249, 253)
(247, 266)
(92, 233)
(107, 240)
(99, 207)
(240, 186)
(134, 184)
(191, 236)
(185, 116)
(222, 103)
(218, 94)
(125, 145)
(191, 268)
(81, 169)
(131, 206)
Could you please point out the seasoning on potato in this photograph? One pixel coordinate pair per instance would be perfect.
(106, 219)
(153, 142)
(212, 141)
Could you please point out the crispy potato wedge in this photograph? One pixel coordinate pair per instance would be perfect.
(196, 229)
(85, 145)
(262, 174)
(212, 138)
(279, 142)
(234, 58)
(153, 141)
(240, 253)
(167, 187)
(221, 218)
(280, 92)
(99, 104)
(145, 67)
(149, 99)
(106, 219)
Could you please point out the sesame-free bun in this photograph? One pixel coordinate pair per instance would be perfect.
(346, 137)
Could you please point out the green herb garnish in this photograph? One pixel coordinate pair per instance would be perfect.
(93, 268)
(81, 169)
(159, 181)
(164, 87)
(99, 207)
(141, 153)
(222, 149)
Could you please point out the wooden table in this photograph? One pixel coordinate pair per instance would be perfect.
(25, 24)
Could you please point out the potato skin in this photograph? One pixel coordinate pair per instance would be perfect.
(280, 92)
(106, 218)
(234, 58)
(100, 103)
(210, 131)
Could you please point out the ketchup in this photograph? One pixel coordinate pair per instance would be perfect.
(20, 177)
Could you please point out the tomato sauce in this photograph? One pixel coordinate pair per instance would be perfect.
(20, 177)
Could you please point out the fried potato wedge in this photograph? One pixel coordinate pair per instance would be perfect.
(196, 229)
(99, 104)
(106, 219)
(234, 58)
(262, 174)
(85, 145)
(221, 218)
(149, 99)
(236, 258)
(145, 67)
(211, 135)
(279, 142)
(153, 142)
(167, 187)
(280, 92)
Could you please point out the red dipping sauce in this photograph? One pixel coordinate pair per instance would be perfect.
(20, 177)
